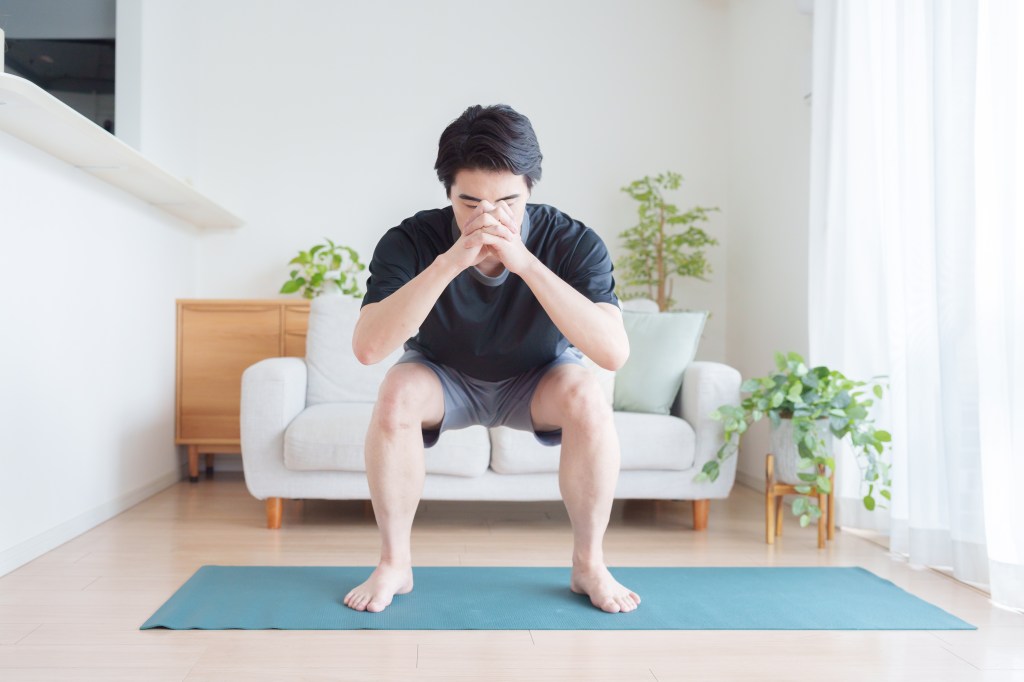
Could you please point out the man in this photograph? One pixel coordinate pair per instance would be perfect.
(506, 296)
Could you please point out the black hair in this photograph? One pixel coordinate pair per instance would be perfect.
(489, 138)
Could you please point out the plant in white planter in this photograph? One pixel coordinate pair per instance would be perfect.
(810, 410)
(325, 269)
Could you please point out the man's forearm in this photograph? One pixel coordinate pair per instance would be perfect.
(597, 332)
(383, 326)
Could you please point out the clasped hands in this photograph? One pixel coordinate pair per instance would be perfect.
(491, 230)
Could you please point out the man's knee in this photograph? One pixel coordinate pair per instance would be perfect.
(580, 400)
(409, 397)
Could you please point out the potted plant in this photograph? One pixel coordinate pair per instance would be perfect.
(325, 269)
(663, 243)
(810, 409)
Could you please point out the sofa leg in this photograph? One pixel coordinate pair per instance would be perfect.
(700, 514)
(274, 507)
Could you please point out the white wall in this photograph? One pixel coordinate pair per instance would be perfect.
(325, 121)
(768, 180)
(90, 274)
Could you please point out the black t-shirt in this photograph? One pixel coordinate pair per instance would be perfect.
(491, 328)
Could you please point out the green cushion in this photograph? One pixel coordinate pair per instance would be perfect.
(661, 345)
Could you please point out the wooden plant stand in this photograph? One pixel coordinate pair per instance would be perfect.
(773, 505)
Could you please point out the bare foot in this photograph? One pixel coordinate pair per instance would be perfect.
(386, 581)
(604, 591)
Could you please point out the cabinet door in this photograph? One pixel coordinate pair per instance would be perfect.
(296, 319)
(218, 342)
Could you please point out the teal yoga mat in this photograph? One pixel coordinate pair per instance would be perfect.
(539, 598)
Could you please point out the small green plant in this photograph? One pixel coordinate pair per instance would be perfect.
(323, 267)
(663, 243)
(807, 395)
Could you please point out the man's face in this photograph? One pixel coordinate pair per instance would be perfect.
(470, 186)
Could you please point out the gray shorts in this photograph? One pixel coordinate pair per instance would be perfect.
(469, 401)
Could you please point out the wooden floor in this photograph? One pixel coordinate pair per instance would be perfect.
(74, 613)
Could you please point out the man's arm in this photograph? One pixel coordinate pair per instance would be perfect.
(595, 328)
(383, 326)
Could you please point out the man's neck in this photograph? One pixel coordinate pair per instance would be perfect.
(490, 269)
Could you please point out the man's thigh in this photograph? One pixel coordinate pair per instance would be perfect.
(547, 408)
(410, 385)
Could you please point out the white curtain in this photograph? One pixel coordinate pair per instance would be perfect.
(916, 226)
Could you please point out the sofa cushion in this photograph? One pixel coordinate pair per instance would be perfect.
(661, 345)
(335, 375)
(647, 441)
(330, 436)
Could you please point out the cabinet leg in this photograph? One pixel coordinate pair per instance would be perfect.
(193, 463)
(700, 514)
(209, 464)
(274, 508)
(779, 506)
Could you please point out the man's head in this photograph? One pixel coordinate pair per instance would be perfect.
(488, 153)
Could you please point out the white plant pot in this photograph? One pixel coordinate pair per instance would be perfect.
(787, 455)
(330, 289)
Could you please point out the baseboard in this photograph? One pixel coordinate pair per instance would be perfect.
(229, 461)
(748, 481)
(33, 548)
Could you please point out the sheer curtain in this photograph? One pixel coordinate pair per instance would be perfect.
(916, 226)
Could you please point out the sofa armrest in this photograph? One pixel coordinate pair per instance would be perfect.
(273, 394)
(706, 387)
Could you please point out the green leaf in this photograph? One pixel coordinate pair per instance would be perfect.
(804, 520)
(780, 361)
(869, 502)
(878, 391)
(883, 436)
(292, 286)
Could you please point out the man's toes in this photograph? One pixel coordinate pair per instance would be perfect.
(635, 597)
(376, 606)
(610, 605)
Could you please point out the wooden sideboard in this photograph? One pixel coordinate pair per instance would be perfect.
(217, 340)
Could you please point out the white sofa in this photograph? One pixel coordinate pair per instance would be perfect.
(304, 420)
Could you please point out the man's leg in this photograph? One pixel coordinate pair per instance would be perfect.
(410, 400)
(569, 397)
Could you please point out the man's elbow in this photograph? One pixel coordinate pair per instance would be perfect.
(365, 352)
(615, 358)
(365, 357)
(618, 360)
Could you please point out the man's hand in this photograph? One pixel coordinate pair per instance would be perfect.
(464, 252)
(502, 236)
(491, 230)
